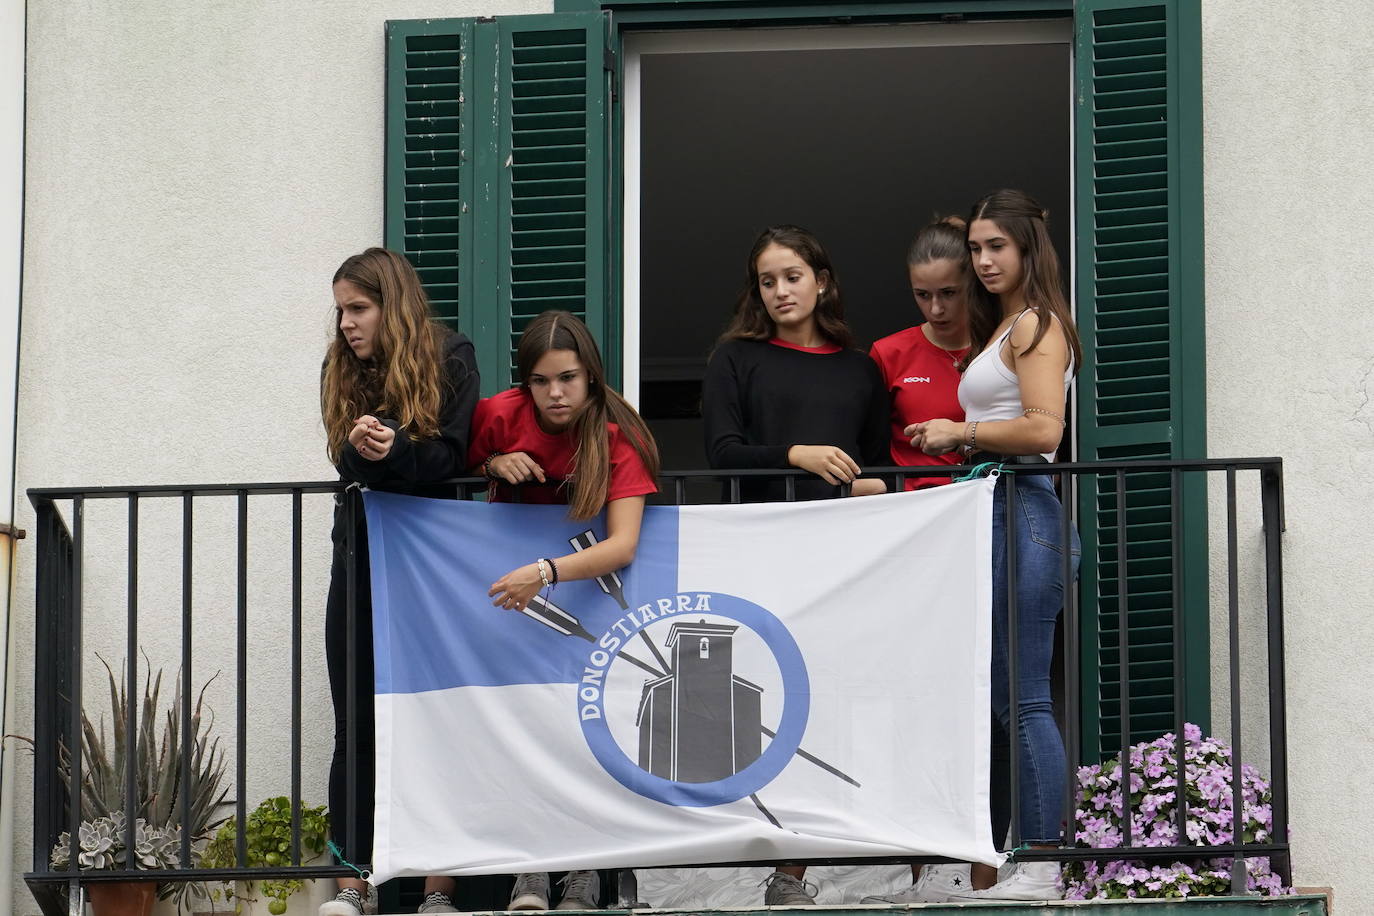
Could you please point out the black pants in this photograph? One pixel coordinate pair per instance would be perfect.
(350, 814)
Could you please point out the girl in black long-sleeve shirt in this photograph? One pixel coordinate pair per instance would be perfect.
(785, 388)
(397, 396)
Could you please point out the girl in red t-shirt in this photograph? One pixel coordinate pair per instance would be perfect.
(920, 365)
(564, 436)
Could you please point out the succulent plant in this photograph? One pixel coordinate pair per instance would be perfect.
(101, 845)
(159, 793)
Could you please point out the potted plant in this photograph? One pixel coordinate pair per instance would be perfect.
(1154, 822)
(267, 836)
(159, 792)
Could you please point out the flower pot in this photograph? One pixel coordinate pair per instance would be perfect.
(121, 898)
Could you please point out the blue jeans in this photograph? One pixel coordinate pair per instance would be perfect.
(1039, 597)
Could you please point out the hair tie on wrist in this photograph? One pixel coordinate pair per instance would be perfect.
(486, 465)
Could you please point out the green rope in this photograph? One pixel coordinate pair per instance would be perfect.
(982, 470)
(338, 854)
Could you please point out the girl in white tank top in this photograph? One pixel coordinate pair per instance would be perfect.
(1013, 393)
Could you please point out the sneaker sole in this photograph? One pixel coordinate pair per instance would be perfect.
(528, 902)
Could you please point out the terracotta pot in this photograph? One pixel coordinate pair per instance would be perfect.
(122, 898)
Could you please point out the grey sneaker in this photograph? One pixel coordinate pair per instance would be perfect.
(581, 890)
(347, 903)
(436, 902)
(531, 891)
(785, 890)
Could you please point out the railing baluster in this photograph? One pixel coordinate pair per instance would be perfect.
(351, 825)
(187, 739)
(1233, 627)
(78, 743)
(1123, 633)
(1271, 495)
(131, 679)
(241, 702)
(1179, 650)
(295, 677)
(1069, 624)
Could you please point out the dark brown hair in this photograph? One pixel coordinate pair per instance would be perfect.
(403, 376)
(557, 330)
(945, 239)
(751, 320)
(1024, 221)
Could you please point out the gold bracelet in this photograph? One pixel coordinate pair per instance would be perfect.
(1048, 413)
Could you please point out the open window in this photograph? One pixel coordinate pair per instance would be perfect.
(506, 186)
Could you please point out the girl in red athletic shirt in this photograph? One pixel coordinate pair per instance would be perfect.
(920, 366)
(564, 436)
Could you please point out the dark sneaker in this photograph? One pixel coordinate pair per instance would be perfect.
(581, 891)
(785, 890)
(531, 891)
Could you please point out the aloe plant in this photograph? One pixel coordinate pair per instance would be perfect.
(158, 755)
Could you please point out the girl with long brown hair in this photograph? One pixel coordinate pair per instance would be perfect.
(564, 436)
(785, 387)
(1014, 392)
(397, 395)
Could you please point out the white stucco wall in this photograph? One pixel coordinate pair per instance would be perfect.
(1290, 370)
(196, 173)
(195, 176)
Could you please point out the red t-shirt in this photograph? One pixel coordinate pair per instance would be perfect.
(923, 384)
(506, 423)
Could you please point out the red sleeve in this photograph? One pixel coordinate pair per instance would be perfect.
(629, 476)
(484, 433)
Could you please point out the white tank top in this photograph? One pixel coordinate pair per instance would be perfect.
(990, 391)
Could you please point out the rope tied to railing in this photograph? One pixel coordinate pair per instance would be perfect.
(985, 469)
(338, 854)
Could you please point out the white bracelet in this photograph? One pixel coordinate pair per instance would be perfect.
(543, 572)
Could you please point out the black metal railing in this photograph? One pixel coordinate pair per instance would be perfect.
(61, 577)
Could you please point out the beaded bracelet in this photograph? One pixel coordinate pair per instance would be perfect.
(973, 436)
(543, 571)
(554, 567)
(486, 465)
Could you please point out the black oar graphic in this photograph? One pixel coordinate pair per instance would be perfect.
(553, 616)
(610, 583)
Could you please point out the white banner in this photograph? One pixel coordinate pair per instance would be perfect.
(779, 681)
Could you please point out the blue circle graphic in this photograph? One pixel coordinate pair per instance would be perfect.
(796, 708)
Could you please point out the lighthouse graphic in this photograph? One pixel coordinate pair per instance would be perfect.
(700, 722)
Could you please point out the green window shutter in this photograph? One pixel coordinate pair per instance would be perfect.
(427, 186)
(518, 223)
(1141, 389)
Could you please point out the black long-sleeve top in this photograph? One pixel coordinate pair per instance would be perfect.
(427, 460)
(759, 399)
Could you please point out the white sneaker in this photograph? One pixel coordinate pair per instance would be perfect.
(1030, 881)
(347, 903)
(937, 884)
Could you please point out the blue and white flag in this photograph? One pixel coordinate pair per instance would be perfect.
(775, 681)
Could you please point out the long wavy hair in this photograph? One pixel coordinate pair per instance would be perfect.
(1024, 221)
(403, 377)
(751, 320)
(559, 330)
